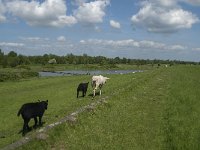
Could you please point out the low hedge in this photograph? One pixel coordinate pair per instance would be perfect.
(12, 76)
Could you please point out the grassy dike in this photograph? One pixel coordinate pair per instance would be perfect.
(156, 109)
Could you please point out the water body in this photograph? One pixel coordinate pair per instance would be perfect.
(83, 72)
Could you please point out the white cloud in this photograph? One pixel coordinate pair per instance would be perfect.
(2, 12)
(91, 12)
(164, 3)
(34, 39)
(129, 48)
(47, 13)
(196, 49)
(82, 41)
(78, 2)
(193, 2)
(163, 17)
(61, 39)
(177, 47)
(144, 44)
(97, 29)
(11, 44)
(115, 24)
(171, 3)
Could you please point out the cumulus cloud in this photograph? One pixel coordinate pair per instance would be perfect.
(91, 12)
(196, 49)
(177, 47)
(175, 2)
(61, 39)
(34, 39)
(78, 2)
(115, 24)
(193, 2)
(10, 44)
(131, 43)
(47, 13)
(2, 12)
(163, 16)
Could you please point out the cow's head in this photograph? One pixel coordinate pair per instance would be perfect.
(44, 104)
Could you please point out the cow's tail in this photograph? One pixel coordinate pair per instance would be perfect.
(19, 112)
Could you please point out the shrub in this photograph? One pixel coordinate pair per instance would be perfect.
(12, 76)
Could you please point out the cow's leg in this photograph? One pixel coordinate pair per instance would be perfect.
(35, 119)
(100, 89)
(94, 93)
(83, 93)
(77, 93)
(27, 121)
(40, 120)
(24, 128)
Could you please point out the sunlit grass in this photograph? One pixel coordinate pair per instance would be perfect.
(155, 109)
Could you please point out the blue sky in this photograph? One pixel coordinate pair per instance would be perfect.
(144, 29)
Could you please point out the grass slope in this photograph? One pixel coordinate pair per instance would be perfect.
(156, 109)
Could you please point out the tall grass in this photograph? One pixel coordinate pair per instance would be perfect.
(182, 124)
(155, 109)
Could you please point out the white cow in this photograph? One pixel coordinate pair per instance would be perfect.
(98, 81)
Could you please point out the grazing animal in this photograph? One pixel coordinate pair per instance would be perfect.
(32, 110)
(82, 87)
(98, 81)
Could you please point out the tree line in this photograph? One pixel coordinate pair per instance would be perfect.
(12, 59)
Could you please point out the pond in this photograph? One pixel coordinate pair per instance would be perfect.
(83, 72)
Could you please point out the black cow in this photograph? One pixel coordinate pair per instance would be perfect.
(32, 110)
(82, 87)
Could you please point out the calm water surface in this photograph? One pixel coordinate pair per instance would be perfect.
(83, 72)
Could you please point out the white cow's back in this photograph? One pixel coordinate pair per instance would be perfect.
(98, 82)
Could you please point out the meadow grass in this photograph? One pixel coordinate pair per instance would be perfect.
(61, 93)
(155, 109)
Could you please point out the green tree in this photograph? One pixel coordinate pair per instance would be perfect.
(5, 62)
(12, 54)
(13, 61)
(117, 60)
(1, 57)
(23, 60)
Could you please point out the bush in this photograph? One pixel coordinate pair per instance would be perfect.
(23, 67)
(12, 76)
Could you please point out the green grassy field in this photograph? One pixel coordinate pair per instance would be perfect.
(155, 109)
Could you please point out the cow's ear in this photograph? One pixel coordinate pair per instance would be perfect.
(47, 101)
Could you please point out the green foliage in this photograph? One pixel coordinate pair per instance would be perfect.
(48, 68)
(12, 76)
(1, 57)
(12, 59)
(12, 54)
(23, 67)
(4, 62)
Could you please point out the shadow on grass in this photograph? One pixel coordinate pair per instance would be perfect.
(30, 129)
(97, 93)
